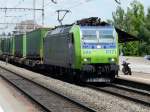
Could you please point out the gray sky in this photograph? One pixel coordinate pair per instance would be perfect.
(79, 9)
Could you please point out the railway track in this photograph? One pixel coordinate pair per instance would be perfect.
(124, 90)
(49, 100)
(133, 84)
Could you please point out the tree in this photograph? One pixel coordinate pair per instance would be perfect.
(145, 35)
(132, 22)
(119, 17)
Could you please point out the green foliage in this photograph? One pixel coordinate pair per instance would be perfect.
(136, 23)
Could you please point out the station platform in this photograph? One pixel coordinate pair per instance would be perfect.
(11, 100)
(137, 64)
(140, 68)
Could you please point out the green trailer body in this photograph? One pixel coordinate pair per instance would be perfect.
(35, 43)
(1, 46)
(19, 46)
(1, 52)
(11, 46)
(5, 45)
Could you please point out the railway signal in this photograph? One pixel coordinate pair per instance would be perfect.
(55, 2)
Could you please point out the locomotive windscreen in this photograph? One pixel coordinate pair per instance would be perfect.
(98, 34)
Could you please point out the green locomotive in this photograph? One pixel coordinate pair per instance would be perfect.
(88, 52)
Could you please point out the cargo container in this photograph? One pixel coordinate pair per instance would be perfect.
(5, 46)
(35, 43)
(1, 46)
(19, 45)
(12, 46)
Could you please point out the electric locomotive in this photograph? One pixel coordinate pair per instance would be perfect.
(86, 50)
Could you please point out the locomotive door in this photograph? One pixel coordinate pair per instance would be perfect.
(70, 48)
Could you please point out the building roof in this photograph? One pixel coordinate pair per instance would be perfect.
(125, 37)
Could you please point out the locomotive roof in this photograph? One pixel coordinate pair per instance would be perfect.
(95, 21)
(125, 37)
(60, 29)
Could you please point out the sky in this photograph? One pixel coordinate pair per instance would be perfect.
(79, 9)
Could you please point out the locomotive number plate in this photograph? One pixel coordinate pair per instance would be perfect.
(110, 51)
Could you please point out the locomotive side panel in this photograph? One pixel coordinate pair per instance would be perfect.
(59, 50)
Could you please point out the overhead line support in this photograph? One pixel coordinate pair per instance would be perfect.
(5, 9)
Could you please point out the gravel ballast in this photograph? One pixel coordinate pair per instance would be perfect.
(95, 99)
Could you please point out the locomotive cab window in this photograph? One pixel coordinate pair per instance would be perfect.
(98, 35)
(107, 35)
(89, 36)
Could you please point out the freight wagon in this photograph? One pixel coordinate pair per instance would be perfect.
(18, 48)
(1, 52)
(6, 46)
(34, 46)
(19, 42)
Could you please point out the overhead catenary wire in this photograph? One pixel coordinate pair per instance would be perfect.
(67, 4)
(53, 11)
(72, 6)
(15, 8)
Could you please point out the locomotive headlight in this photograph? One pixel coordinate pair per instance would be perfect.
(87, 59)
(112, 60)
